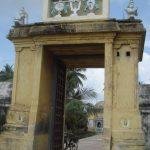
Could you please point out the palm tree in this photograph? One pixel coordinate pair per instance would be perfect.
(74, 80)
(92, 109)
(75, 118)
(83, 94)
(76, 110)
(74, 85)
(6, 73)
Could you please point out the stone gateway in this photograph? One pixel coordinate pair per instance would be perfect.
(74, 39)
(43, 51)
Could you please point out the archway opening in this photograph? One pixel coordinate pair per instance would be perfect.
(69, 57)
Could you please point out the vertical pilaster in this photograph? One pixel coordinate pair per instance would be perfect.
(126, 122)
(46, 4)
(15, 77)
(38, 49)
(108, 95)
(21, 118)
(106, 8)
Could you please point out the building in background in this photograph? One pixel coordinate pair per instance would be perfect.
(144, 97)
(5, 101)
(95, 122)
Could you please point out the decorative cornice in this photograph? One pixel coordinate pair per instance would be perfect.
(98, 26)
(132, 46)
(126, 32)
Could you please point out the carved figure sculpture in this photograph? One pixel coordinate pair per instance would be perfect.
(75, 6)
(23, 17)
(90, 7)
(131, 10)
(59, 6)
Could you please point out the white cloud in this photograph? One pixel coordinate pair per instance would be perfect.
(144, 69)
(95, 80)
(147, 43)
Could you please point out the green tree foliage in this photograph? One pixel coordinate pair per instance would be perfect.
(76, 110)
(74, 80)
(6, 74)
(83, 94)
(75, 116)
(74, 85)
(91, 109)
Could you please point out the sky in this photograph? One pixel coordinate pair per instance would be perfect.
(9, 10)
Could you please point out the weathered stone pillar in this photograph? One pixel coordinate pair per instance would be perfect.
(27, 118)
(126, 122)
(108, 97)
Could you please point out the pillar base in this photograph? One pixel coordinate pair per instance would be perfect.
(123, 145)
(123, 140)
(128, 141)
(106, 139)
(128, 145)
(12, 141)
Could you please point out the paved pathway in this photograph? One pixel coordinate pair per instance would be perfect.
(91, 143)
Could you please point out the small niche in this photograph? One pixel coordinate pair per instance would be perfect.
(128, 53)
(118, 54)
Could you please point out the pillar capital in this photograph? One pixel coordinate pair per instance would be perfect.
(32, 47)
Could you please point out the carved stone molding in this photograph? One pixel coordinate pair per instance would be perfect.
(132, 44)
(125, 122)
(36, 47)
(31, 47)
(111, 26)
(18, 118)
(19, 49)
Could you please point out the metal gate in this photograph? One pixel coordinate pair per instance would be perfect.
(58, 99)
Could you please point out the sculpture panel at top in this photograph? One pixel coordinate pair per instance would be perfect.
(71, 10)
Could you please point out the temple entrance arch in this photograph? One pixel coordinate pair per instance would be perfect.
(115, 44)
(67, 56)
